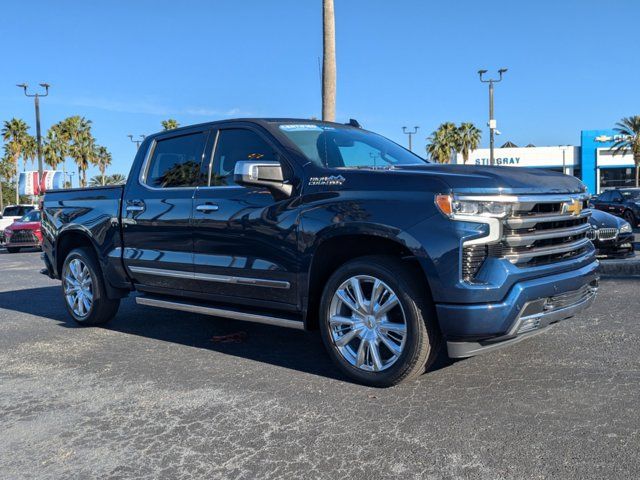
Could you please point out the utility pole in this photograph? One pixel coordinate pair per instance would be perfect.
(137, 142)
(492, 121)
(36, 97)
(410, 134)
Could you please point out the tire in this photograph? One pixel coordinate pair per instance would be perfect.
(83, 289)
(630, 217)
(13, 249)
(367, 357)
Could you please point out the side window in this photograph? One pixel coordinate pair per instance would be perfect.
(235, 145)
(605, 197)
(616, 197)
(176, 162)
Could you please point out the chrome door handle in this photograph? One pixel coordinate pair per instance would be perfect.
(207, 207)
(134, 208)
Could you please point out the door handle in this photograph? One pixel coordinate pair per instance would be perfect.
(207, 207)
(134, 208)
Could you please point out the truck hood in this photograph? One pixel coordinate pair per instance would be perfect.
(498, 179)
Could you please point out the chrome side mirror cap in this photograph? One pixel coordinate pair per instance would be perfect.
(262, 174)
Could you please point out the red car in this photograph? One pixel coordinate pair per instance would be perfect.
(25, 232)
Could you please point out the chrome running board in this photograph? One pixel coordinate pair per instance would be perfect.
(219, 312)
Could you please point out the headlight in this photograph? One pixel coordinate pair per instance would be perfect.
(626, 228)
(451, 207)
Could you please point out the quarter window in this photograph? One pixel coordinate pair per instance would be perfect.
(177, 162)
(236, 145)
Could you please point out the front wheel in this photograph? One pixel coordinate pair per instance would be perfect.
(84, 290)
(630, 217)
(378, 322)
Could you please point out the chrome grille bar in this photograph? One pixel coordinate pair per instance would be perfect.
(525, 256)
(528, 239)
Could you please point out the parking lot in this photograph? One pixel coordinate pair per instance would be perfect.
(154, 396)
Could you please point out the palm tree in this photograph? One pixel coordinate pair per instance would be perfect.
(169, 124)
(468, 139)
(103, 159)
(16, 137)
(443, 142)
(77, 132)
(100, 180)
(56, 146)
(328, 61)
(629, 130)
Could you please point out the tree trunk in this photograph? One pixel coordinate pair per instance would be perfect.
(637, 174)
(328, 62)
(1, 198)
(17, 180)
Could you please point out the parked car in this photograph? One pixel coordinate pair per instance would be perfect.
(624, 202)
(611, 235)
(10, 214)
(317, 225)
(25, 232)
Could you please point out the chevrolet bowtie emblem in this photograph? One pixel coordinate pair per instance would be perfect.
(574, 207)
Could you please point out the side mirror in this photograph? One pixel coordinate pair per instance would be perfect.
(262, 174)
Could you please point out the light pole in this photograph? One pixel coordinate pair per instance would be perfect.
(411, 134)
(492, 121)
(36, 97)
(137, 142)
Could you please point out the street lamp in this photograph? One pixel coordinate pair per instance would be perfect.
(492, 121)
(137, 142)
(410, 133)
(36, 97)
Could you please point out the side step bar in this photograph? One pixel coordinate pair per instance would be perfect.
(219, 312)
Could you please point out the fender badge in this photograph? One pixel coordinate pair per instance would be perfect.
(332, 180)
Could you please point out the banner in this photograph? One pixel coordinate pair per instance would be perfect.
(28, 182)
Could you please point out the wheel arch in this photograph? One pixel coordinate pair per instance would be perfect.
(335, 246)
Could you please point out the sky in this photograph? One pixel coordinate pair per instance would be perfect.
(127, 65)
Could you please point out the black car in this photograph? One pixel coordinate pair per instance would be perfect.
(624, 202)
(612, 236)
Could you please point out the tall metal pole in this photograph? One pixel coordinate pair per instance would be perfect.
(328, 62)
(410, 134)
(492, 121)
(36, 97)
(137, 142)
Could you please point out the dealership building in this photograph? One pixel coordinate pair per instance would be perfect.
(593, 161)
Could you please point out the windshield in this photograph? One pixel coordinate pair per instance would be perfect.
(630, 194)
(33, 216)
(336, 147)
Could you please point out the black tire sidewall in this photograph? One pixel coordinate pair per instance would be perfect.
(414, 307)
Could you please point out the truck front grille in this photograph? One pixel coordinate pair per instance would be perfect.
(540, 230)
(545, 231)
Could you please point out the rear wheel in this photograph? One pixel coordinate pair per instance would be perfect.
(630, 217)
(84, 291)
(378, 322)
(13, 249)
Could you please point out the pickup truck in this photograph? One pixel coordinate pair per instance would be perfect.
(324, 226)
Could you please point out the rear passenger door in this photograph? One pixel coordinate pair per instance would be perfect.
(244, 239)
(158, 237)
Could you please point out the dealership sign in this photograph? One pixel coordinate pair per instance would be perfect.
(524, 157)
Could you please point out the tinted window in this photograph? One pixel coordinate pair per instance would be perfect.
(233, 146)
(630, 194)
(176, 162)
(17, 211)
(615, 196)
(604, 197)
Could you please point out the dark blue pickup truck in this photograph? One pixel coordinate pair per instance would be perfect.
(324, 226)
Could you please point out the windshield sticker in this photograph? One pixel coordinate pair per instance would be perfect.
(300, 127)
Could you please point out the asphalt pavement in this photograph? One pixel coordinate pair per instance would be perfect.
(152, 395)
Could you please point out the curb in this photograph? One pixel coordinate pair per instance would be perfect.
(624, 267)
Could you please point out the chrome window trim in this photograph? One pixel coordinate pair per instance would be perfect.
(230, 279)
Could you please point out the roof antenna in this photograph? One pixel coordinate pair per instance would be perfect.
(354, 123)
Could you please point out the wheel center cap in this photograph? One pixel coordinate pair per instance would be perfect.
(370, 321)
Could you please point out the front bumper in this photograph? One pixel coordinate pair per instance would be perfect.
(619, 247)
(490, 322)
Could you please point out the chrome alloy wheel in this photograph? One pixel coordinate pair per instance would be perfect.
(78, 287)
(367, 323)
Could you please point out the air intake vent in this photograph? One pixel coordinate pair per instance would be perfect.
(473, 257)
